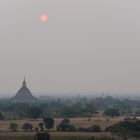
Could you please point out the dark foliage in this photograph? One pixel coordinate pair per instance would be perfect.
(35, 112)
(112, 112)
(13, 127)
(42, 136)
(69, 107)
(94, 128)
(27, 127)
(49, 122)
(65, 125)
(41, 126)
(126, 129)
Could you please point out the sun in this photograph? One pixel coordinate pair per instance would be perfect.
(43, 18)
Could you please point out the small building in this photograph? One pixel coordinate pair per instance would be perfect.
(24, 95)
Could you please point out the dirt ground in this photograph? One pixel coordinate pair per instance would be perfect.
(80, 122)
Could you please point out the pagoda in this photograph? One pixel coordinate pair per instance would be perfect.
(24, 94)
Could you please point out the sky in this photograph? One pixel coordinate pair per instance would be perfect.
(86, 45)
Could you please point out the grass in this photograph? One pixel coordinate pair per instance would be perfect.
(16, 138)
(54, 138)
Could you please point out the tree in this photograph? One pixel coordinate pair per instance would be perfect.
(89, 108)
(66, 126)
(13, 127)
(1, 116)
(20, 110)
(126, 129)
(34, 112)
(41, 126)
(49, 122)
(112, 112)
(68, 111)
(27, 127)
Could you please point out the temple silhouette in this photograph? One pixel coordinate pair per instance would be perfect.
(24, 94)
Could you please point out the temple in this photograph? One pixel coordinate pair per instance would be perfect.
(24, 94)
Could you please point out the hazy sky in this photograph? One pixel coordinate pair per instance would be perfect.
(86, 45)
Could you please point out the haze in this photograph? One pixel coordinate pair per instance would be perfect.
(86, 45)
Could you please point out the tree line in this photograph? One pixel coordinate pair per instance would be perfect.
(69, 107)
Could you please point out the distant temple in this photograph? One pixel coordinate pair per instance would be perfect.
(24, 94)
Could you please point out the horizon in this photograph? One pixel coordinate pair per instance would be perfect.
(72, 93)
(121, 94)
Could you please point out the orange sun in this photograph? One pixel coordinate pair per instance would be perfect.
(44, 18)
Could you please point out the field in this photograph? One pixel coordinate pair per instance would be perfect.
(81, 122)
(5, 133)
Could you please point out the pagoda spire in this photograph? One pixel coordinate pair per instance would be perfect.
(24, 83)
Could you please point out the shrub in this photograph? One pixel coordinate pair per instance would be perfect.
(95, 128)
(66, 126)
(13, 127)
(27, 127)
